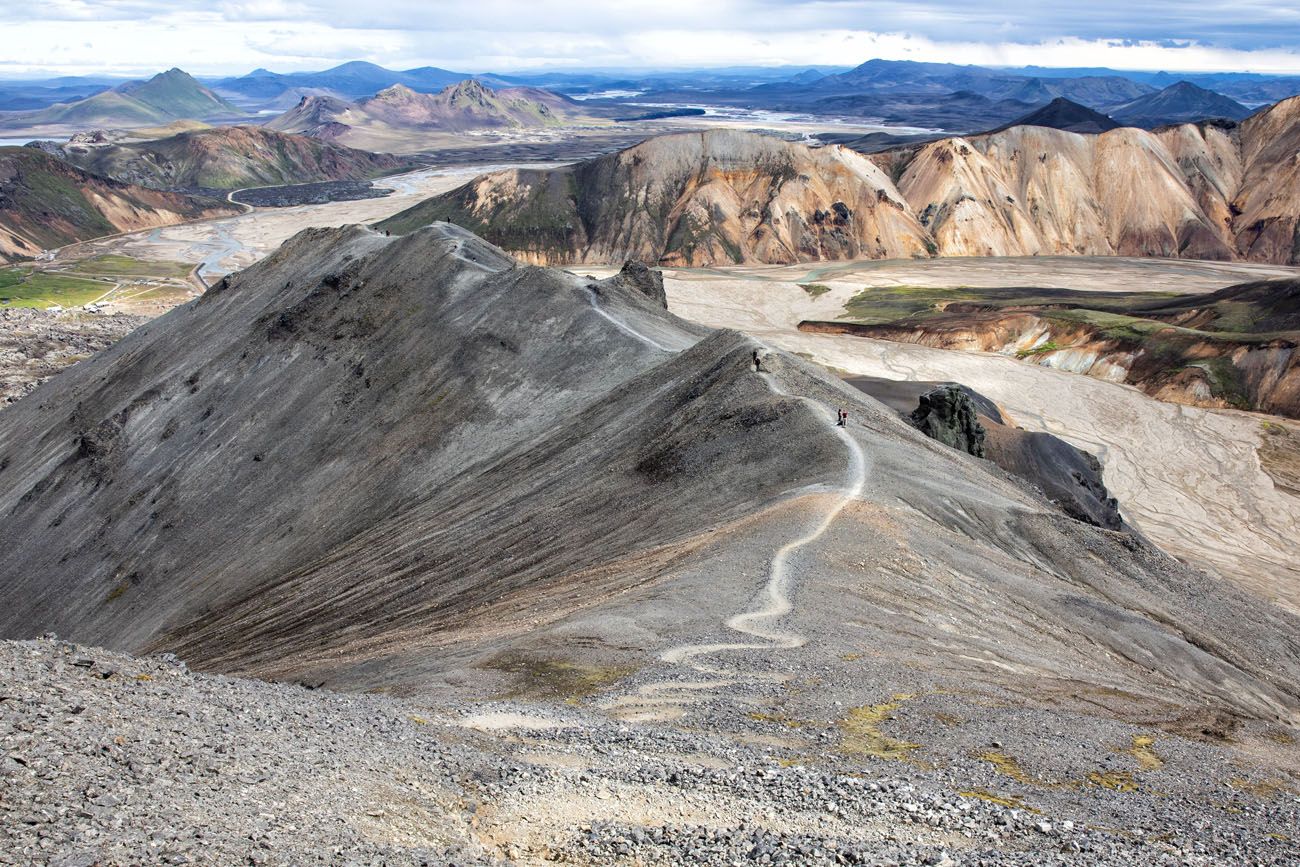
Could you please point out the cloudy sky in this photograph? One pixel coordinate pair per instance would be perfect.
(235, 36)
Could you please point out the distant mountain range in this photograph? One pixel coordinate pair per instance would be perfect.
(1181, 102)
(904, 76)
(960, 98)
(349, 81)
(168, 96)
(939, 96)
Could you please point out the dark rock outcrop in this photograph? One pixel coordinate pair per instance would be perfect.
(948, 414)
(1068, 476)
(640, 277)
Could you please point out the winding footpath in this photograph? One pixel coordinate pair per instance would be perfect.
(776, 603)
(667, 699)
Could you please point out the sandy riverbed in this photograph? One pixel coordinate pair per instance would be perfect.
(233, 243)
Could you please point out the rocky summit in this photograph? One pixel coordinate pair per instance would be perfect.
(531, 569)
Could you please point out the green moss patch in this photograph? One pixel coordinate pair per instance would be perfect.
(862, 735)
(539, 677)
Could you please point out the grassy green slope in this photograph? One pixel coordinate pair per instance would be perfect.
(176, 94)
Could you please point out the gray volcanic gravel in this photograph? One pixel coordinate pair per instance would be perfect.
(109, 759)
(36, 344)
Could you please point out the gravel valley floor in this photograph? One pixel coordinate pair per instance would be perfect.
(109, 759)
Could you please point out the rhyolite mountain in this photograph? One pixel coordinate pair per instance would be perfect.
(1213, 190)
(721, 196)
(46, 203)
(227, 158)
(384, 462)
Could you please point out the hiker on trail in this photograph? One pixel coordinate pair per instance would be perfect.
(758, 361)
(843, 418)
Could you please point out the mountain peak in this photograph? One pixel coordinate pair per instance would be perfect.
(396, 93)
(1065, 114)
(357, 66)
(470, 87)
(1180, 102)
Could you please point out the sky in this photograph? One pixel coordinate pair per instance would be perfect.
(210, 37)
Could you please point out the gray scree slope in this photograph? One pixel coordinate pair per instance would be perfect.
(377, 462)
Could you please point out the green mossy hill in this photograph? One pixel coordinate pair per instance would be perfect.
(175, 94)
(168, 96)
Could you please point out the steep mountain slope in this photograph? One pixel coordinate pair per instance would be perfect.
(372, 462)
(168, 96)
(1031, 190)
(227, 158)
(1063, 114)
(318, 116)
(695, 198)
(1183, 102)
(1266, 204)
(46, 203)
(463, 106)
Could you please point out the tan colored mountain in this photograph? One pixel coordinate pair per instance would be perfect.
(721, 196)
(1214, 190)
(1267, 201)
(1032, 190)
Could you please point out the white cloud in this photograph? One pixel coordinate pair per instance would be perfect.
(234, 36)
